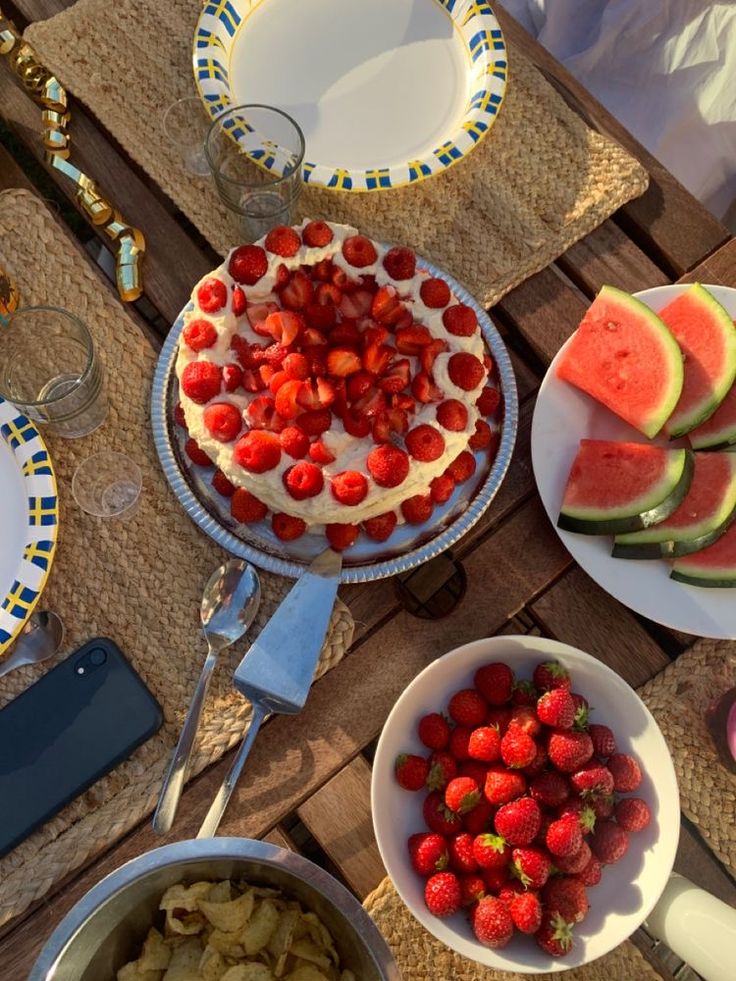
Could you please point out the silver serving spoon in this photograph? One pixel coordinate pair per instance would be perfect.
(229, 605)
(39, 640)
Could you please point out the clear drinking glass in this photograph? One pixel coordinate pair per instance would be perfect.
(255, 154)
(186, 124)
(107, 484)
(50, 371)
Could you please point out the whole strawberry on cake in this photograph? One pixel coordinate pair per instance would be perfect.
(333, 384)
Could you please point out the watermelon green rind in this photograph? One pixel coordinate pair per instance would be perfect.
(682, 422)
(628, 307)
(718, 431)
(663, 541)
(713, 566)
(659, 503)
(723, 578)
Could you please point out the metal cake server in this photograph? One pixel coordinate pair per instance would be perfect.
(276, 673)
(229, 605)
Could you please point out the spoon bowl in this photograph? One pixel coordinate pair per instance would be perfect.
(39, 640)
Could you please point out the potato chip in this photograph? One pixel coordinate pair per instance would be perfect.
(186, 924)
(184, 963)
(347, 976)
(306, 972)
(221, 892)
(156, 953)
(229, 944)
(232, 916)
(282, 936)
(258, 932)
(212, 964)
(185, 897)
(309, 951)
(248, 972)
(130, 973)
(320, 934)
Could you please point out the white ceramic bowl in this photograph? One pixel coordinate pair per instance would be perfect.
(628, 890)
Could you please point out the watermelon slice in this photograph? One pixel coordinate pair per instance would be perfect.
(624, 356)
(720, 429)
(707, 337)
(704, 515)
(712, 566)
(618, 487)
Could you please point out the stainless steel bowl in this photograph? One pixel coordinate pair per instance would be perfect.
(107, 927)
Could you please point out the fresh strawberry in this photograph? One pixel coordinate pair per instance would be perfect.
(442, 891)
(482, 437)
(342, 361)
(222, 421)
(246, 508)
(282, 277)
(526, 912)
(376, 358)
(303, 480)
(591, 874)
(411, 771)
(460, 320)
(492, 923)
(459, 743)
(518, 748)
(495, 682)
(287, 399)
(467, 708)
(460, 848)
(556, 708)
(531, 866)
(317, 234)
(179, 417)
(283, 241)
(287, 528)
(495, 879)
(397, 377)
(232, 377)
(485, 744)
(428, 853)
(428, 355)
(524, 693)
(491, 851)
(222, 485)
(572, 864)
(238, 302)
(328, 295)
(294, 441)
(425, 443)
(626, 772)
(247, 264)
(549, 788)
(609, 842)
(356, 304)
(582, 810)
(462, 794)
(592, 779)
(349, 487)
(324, 318)
(318, 453)
(452, 415)
(503, 785)
(257, 451)
(462, 467)
(438, 817)
(632, 814)
(257, 314)
(602, 806)
(260, 413)
(525, 718)
(604, 742)
(478, 820)
(564, 836)
(442, 769)
(400, 263)
(569, 750)
(388, 465)
(424, 389)
(433, 728)
(488, 401)
(551, 674)
(472, 888)
(518, 821)
(441, 489)
(314, 422)
(380, 528)
(554, 935)
(285, 326)
(342, 281)
(359, 251)
(253, 381)
(538, 764)
(201, 380)
(298, 293)
(387, 307)
(435, 293)
(387, 423)
(474, 769)
(196, 454)
(410, 340)
(465, 370)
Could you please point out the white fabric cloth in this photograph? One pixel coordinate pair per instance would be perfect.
(666, 69)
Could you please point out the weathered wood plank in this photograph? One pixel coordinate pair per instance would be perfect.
(339, 817)
(277, 836)
(718, 269)
(11, 174)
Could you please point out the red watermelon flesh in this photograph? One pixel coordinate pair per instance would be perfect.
(624, 357)
(706, 335)
(720, 429)
(711, 566)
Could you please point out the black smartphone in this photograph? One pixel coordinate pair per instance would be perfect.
(67, 730)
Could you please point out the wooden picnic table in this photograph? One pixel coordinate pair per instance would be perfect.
(307, 781)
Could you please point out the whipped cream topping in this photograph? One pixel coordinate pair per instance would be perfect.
(350, 452)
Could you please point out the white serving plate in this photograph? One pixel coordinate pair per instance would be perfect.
(562, 417)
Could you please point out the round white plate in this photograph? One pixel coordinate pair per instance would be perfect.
(386, 92)
(29, 516)
(628, 890)
(562, 417)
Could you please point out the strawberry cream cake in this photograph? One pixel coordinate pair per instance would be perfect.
(333, 384)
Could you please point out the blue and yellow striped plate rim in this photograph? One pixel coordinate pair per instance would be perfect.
(42, 521)
(476, 23)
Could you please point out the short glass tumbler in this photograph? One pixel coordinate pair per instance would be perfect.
(255, 153)
(186, 124)
(50, 371)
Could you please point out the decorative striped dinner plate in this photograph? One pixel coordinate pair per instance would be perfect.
(386, 92)
(29, 520)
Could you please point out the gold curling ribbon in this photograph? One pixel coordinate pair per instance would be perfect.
(46, 89)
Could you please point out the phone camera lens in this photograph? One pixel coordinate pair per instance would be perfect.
(97, 656)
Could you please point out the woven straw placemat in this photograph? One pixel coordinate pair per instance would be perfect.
(138, 581)
(678, 698)
(421, 957)
(539, 181)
